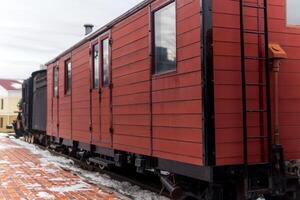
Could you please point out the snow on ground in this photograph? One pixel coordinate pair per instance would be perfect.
(45, 195)
(50, 163)
(80, 186)
(8, 146)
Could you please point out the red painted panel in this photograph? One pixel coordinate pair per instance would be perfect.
(53, 105)
(176, 110)
(178, 147)
(64, 102)
(228, 80)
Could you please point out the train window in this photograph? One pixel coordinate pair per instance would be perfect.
(1, 122)
(2, 104)
(68, 76)
(165, 39)
(293, 14)
(96, 66)
(55, 82)
(105, 62)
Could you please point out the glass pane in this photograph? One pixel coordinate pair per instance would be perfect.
(293, 14)
(55, 82)
(69, 76)
(105, 62)
(165, 38)
(96, 65)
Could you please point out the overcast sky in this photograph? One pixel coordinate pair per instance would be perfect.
(34, 31)
(293, 13)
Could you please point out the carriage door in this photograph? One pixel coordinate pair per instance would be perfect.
(55, 102)
(95, 93)
(101, 92)
(105, 91)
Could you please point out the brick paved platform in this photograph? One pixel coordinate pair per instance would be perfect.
(23, 176)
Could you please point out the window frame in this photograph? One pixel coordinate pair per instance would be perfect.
(93, 45)
(102, 38)
(68, 82)
(153, 11)
(2, 104)
(55, 82)
(289, 25)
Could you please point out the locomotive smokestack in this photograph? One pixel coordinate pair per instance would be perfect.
(88, 28)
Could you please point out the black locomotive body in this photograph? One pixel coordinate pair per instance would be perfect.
(33, 106)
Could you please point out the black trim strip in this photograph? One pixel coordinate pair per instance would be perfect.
(209, 155)
(203, 173)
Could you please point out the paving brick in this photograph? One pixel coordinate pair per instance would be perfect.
(24, 177)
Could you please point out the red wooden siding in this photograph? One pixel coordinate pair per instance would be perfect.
(50, 120)
(228, 81)
(52, 105)
(80, 94)
(228, 89)
(131, 73)
(95, 117)
(289, 79)
(175, 112)
(64, 103)
(176, 97)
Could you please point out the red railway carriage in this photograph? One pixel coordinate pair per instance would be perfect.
(187, 86)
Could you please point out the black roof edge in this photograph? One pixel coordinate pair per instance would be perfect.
(103, 29)
(38, 71)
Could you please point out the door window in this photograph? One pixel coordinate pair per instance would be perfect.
(293, 14)
(105, 62)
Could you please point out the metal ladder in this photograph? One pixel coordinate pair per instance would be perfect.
(264, 108)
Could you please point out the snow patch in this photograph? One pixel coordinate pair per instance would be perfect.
(4, 184)
(30, 164)
(4, 162)
(50, 170)
(3, 135)
(33, 186)
(15, 165)
(45, 195)
(80, 186)
(125, 188)
(4, 146)
(58, 179)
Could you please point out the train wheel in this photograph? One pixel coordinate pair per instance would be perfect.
(102, 167)
(32, 139)
(89, 164)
